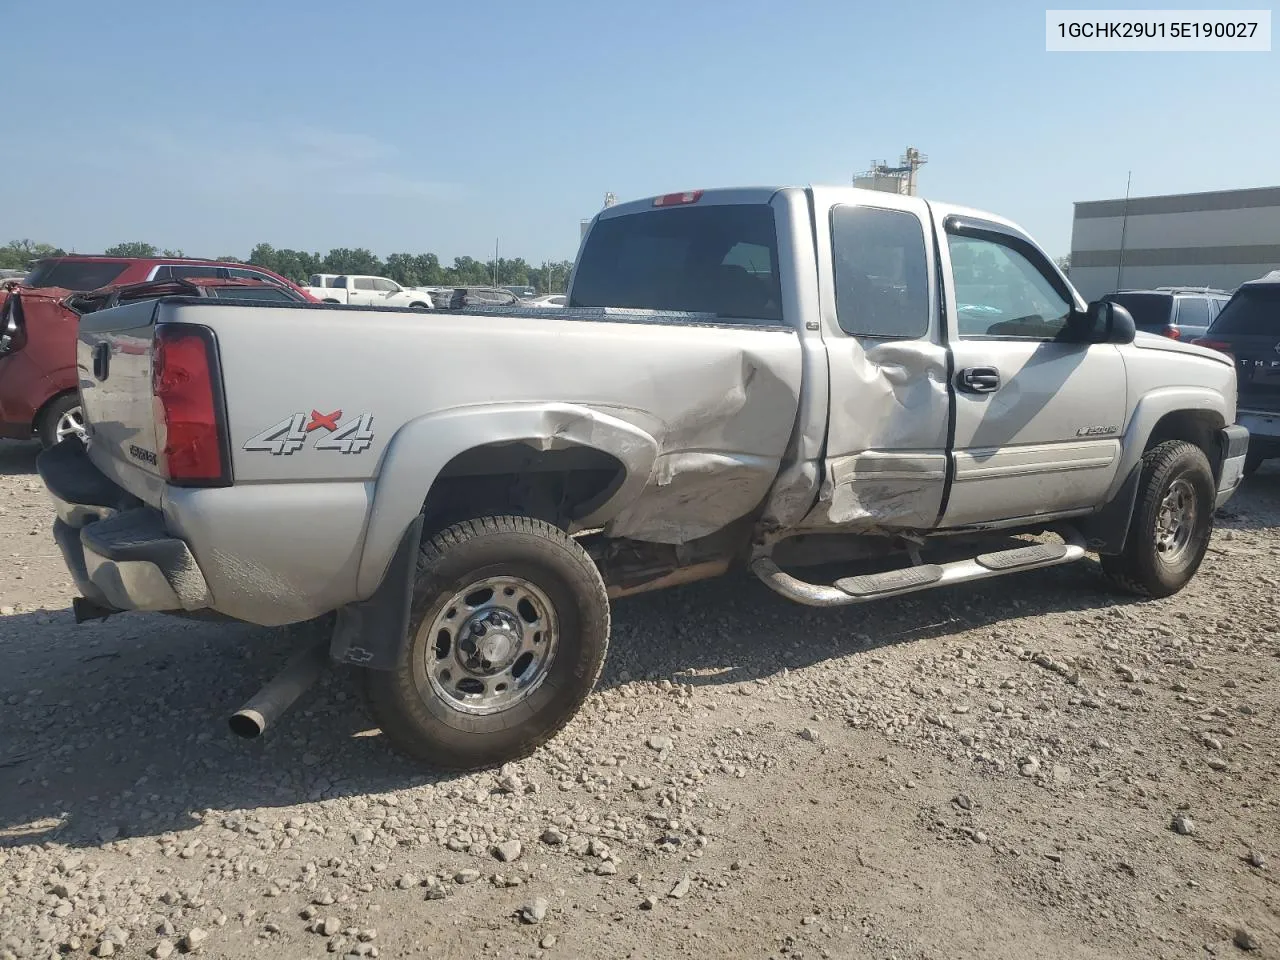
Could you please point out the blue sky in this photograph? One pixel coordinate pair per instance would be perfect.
(428, 126)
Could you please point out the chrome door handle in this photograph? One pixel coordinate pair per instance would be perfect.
(979, 380)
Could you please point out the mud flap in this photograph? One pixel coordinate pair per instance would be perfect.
(373, 632)
(1106, 531)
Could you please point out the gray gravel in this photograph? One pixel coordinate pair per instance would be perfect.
(986, 772)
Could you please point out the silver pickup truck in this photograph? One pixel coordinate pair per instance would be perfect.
(770, 379)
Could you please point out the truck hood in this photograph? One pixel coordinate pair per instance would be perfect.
(1153, 341)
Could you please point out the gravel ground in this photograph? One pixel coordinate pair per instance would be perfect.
(1036, 767)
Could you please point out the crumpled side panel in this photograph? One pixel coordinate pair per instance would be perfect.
(721, 448)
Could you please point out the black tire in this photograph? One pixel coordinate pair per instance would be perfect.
(47, 427)
(1143, 568)
(418, 305)
(418, 718)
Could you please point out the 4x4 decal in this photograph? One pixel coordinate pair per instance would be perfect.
(290, 435)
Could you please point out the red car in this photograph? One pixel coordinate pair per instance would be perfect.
(39, 386)
(82, 272)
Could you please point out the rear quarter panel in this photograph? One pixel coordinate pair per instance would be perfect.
(715, 404)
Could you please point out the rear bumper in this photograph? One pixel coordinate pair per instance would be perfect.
(1263, 427)
(116, 548)
(1235, 441)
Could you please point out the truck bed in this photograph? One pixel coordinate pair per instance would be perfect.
(697, 408)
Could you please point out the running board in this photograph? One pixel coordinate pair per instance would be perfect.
(894, 583)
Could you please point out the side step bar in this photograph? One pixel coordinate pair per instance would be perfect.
(894, 583)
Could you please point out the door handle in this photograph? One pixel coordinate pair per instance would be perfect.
(979, 380)
(101, 360)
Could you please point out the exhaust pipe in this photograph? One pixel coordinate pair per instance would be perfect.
(267, 705)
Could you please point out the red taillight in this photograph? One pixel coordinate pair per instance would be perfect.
(1173, 333)
(675, 199)
(189, 420)
(1218, 345)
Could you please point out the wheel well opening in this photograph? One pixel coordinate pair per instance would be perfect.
(557, 486)
(1195, 426)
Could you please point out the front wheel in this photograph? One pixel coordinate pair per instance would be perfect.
(418, 305)
(508, 631)
(1171, 525)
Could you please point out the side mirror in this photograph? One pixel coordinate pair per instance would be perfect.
(1106, 322)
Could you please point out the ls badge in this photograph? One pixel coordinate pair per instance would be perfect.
(290, 435)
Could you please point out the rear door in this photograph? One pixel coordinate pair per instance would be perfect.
(886, 443)
(1249, 328)
(1038, 417)
(363, 290)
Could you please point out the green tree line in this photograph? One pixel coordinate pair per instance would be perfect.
(407, 269)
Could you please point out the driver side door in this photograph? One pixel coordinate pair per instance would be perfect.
(1038, 414)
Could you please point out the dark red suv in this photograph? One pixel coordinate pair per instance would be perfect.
(82, 272)
(39, 387)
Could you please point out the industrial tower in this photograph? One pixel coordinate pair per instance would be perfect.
(900, 179)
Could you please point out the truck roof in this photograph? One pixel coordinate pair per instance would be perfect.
(763, 194)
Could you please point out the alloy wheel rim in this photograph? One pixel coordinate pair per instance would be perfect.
(70, 423)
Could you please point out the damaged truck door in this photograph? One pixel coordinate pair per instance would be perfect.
(886, 462)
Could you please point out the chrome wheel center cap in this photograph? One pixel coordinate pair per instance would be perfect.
(493, 640)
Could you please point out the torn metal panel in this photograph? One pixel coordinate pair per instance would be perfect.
(885, 489)
(693, 494)
(886, 457)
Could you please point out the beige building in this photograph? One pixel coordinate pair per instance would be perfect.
(1218, 239)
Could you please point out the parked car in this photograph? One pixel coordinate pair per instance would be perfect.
(778, 383)
(1248, 331)
(465, 298)
(82, 272)
(38, 377)
(368, 291)
(238, 289)
(1179, 313)
(547, 300)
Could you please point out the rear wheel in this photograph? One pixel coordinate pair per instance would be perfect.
(1252, 461)
(508, 631)
(63, 418)
(1171, 525)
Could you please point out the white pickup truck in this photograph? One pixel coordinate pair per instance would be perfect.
(762, 379)
(366, 291)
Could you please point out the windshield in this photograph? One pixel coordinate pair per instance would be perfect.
(1252, 311)
(1147, 309)
(78, 275)
(720, 259)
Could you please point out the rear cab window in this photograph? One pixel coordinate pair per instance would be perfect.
(719, 258)
(78, 275)
(881, 272)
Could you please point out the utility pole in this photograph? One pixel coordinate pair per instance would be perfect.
(495, 261)
(1124, 228)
